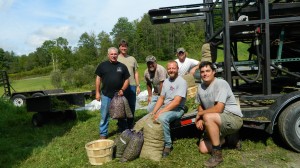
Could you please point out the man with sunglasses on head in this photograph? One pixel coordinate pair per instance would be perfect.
(186, 65)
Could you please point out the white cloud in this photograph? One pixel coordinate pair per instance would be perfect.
(25, 25)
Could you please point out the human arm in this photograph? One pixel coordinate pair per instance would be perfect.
(217, 108)
(136, 77)
(149, 90)
(172, 105)
(193, 70)
(124, 87)
(158, 104)
(98, 87)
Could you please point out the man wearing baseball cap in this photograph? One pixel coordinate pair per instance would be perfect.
(186, 65)
(154, 76)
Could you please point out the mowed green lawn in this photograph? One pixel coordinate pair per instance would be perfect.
(60, 143)
(37, 83)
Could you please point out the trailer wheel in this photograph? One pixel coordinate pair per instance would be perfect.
(289, 126)
(37, 94)
(37, 119)
(19, 100)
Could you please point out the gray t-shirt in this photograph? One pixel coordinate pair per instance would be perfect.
(172, 88)
(155, 78)
(218, 91)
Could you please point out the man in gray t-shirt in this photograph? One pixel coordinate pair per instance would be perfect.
(154, 76)
(218, 113)
(170, 104)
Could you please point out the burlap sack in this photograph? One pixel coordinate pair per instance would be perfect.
(134, 147)
(122, 142)
(139, 125)
(127, 108)
(190, 80)
(153, 140)
(117, 107)
(209, 52)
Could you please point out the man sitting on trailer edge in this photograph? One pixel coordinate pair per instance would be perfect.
(218, 113)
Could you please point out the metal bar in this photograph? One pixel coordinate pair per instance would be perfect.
(267, 61)
(179, 19)
(226, 42)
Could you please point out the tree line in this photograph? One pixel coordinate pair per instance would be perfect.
(144, 39)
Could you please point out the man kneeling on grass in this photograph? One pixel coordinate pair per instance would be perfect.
(218, 113)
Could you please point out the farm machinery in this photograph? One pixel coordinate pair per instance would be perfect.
(47, 104)
(267, 82)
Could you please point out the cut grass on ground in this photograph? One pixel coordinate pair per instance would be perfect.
(61, 144)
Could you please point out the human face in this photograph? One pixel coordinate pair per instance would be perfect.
(181, 56)
(113, 55)
(151, 66)
(172, 69)
(207, 74)
(123, 49)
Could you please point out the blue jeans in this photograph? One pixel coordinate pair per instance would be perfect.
(165, 119)
(130, 94)
(104, 121)
(151, 105)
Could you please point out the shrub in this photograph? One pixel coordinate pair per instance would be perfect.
(56, 78)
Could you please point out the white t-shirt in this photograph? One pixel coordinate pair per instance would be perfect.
(186, 66)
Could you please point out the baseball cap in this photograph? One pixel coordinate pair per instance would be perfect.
(180, 50)
(150, 58)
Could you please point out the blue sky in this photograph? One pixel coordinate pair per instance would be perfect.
(26, 24)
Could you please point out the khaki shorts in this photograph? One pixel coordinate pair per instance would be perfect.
(230, 124)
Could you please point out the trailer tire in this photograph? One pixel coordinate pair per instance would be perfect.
(19, 100)
(289, 126)
(37, 119)
(37, 94)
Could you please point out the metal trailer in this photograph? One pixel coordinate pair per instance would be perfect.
(60, 106)
(267, 83)
(19, 98)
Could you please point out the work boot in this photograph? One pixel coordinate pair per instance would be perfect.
(166, 152)
(215, 159)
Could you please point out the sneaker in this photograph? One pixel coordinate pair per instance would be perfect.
(166, 152)
(215, 159)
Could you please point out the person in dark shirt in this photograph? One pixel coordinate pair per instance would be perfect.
(112, 77)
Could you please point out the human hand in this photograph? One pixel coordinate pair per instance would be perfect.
(149, 99)
(121, 92)
(98, 97)
(200, 124)
(156, 115)
(138, 90)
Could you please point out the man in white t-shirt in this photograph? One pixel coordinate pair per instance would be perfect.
(186, 65)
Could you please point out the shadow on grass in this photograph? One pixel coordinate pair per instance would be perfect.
(253, 135)
(20, 139)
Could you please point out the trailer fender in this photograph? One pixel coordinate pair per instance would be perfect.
(276, 108)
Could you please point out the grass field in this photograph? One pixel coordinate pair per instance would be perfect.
(60, 143)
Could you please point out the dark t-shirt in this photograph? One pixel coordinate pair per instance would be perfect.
(112, 76)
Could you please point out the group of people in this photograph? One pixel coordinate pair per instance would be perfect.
(218, 112)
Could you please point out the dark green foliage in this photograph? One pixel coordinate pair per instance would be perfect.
(83, 76)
